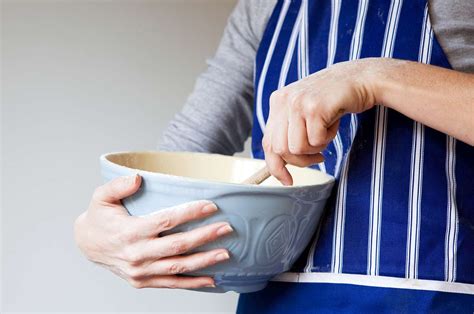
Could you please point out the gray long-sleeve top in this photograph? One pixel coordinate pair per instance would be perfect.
(217, 116)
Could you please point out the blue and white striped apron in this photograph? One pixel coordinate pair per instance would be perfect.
(398, 234)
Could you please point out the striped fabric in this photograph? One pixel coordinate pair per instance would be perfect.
(404, 203)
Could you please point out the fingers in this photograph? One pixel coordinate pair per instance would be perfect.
(316, 132)
(332, 131)
(276, 166)
(184, 264)
(168, 218)
(159, 274)
(279, 135)
(297, 138)
(319, 133)
(119, 188)
(304, 160)
(288, 143)
(298, 143)
(173, 282)
(178, 243)
(272, 148)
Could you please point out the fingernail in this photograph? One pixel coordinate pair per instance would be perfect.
(131, 179)
(222, 256)
(210, 285)
(210, 208)
(224, 230)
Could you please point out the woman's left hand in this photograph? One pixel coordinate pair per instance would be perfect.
(304, 116)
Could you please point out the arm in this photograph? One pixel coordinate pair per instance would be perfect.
(304, 116)
(217, 116)
(439, 98)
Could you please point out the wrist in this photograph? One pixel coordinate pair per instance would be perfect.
(383, 79)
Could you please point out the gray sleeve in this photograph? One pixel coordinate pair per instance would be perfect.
(217, 116)
(453, 24)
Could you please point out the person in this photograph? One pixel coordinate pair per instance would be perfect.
(384, 90)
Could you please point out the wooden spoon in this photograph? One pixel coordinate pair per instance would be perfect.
(258, 177)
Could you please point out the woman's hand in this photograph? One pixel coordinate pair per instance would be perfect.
(131, 248)
(304, 116)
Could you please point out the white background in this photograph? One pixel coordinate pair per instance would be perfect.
(80, 78)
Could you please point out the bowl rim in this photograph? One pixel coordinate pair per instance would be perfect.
(103, 159)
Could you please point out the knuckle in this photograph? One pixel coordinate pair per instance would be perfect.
(274, 170)
(278, 97)
(178, 247)
(78, 223)
(297, 102)
(317, 139)
(297, 149)
(165, 223)
(310, 113)
(132, 256)
(97, 194)
(280, 149)
(171, 285)
(275, 97)
(137, 284)
(177, 268)
(266, 144)
(277, 174)
(135, 272)
(311, 110)
(318, 142)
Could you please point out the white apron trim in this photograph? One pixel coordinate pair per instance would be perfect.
(377, 281)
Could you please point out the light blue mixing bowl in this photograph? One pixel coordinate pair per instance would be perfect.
(272, 223)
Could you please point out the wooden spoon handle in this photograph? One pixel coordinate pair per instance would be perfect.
(258, 177)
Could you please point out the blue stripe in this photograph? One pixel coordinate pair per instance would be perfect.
(395, 200)
(376, 19)
(433, 208)
(357, 197)
(343, 298)
(347, 21)
(329, 153)
(322, 258)
(359, 177)
(293, 69)
(319, 20)
(271, 82)
(398, 145)
(407, 42)
(465, 196)
(437, 55)
(266, 40)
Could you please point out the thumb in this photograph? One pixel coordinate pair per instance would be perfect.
(117, 189)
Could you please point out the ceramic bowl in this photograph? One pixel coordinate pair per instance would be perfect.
(272, 223)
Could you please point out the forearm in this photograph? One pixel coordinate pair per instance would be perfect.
(439, 98)
(216, 117)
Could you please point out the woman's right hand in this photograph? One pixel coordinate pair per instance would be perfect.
(131, 246)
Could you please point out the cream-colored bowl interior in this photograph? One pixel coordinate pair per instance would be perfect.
(210, 167)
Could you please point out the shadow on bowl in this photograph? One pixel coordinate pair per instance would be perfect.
(272, 223)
